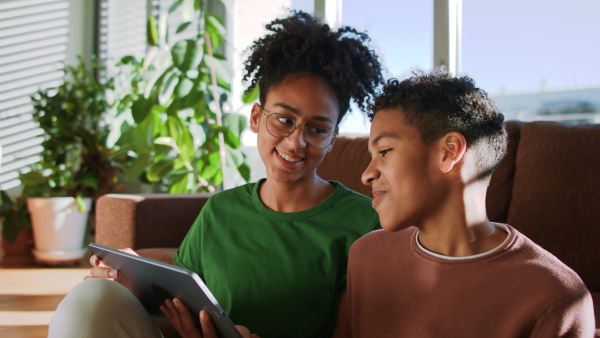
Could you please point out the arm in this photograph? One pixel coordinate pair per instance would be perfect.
(342, 323)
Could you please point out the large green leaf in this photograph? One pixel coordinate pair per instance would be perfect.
(159, 170)
(187, 54)
(186, 144)
(141, 108)
(33, 178)
(244, 170)
(167, 87)
(180, 184)
(138, 166)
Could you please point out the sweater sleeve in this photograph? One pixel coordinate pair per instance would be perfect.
(573, 316)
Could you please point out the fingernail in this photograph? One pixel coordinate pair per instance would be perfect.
(113, 274)
(203, 314)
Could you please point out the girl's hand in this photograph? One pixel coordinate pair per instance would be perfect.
(181, 319)
(101, 270)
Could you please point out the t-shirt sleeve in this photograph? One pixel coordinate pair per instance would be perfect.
(572, 317)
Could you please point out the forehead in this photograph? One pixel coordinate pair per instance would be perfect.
(304, 93)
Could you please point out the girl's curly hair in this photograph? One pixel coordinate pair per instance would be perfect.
(300, 44)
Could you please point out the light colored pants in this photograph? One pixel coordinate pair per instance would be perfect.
(101, 308)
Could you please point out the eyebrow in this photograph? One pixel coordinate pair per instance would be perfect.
(379, 138)
(296, 112)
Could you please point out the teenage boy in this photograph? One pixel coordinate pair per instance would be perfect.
(440, 268)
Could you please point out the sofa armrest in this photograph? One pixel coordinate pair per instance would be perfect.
(146, 220)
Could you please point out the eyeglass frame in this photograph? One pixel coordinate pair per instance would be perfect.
(262, 110)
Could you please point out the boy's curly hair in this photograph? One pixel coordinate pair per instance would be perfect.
(300, 44)
(438, 103)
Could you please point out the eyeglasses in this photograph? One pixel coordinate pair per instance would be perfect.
(317, 136)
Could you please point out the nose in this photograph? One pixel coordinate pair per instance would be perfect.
(298, 138)
(370, 174)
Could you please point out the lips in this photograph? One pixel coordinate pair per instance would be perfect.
(377, 196)
(288, 158)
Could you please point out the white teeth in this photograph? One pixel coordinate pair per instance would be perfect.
(288, 158)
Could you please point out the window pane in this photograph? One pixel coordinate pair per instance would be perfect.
(538, 59)
(401, 31)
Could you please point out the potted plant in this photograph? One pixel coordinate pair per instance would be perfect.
(74, 168)
(172, 125)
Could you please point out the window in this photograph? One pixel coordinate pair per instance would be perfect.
(538, 59)
(33, 46)
(402, 34)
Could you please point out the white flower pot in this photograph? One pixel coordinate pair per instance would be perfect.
(58, 228)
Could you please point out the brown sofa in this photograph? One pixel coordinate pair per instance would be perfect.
(548, 187)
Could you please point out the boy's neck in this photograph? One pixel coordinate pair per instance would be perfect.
(461, 227)
(294, 197)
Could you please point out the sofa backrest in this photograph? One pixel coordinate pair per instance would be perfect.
(346, 163)
(556, 195)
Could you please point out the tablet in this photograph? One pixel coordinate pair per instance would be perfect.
(152, 282)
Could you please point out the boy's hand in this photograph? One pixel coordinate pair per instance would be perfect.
(101, 270)
(181, 319)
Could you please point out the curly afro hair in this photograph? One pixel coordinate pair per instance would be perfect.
(438, 103)
(300, 44)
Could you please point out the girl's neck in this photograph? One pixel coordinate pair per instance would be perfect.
(294, 197)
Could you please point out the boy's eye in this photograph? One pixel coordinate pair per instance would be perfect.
(384, 152)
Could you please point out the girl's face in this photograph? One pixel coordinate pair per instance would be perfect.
(308, 100)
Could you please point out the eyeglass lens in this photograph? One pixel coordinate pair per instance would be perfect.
(317, 136)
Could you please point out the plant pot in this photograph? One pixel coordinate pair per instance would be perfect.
(18, 252)
(58, 229)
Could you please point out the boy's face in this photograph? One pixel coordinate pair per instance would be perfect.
(402, 173)
(306, 99)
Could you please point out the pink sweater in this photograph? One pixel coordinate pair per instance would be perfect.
(396, 289)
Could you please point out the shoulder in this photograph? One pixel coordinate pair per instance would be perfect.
(242, 191)
(382, 241)
(545, 269)
(351, 198)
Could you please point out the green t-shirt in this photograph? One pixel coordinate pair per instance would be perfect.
(279, 274)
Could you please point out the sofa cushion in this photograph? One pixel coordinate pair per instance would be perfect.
(501, 185)
(346, 163)
(556, 195)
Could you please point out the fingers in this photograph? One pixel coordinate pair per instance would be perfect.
(207, 325)
(180, 317)
(98, 272)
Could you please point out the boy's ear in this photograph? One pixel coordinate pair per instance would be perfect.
(454, 146)
(255, 117)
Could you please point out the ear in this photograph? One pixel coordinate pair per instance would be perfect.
(454, 146)
(255, 117)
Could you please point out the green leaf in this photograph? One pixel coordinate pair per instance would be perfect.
(10, 227)
(235, 158)
(186, 144)
(214, 25)
(151, 32)
(184, 87)
(80, 204)
(232, 131)
(159, 170)
(183, 27)
(221, 67)
(187, 54)
(33, 178)
(175, 5)
(252, 96)
(197, 133)
(140, 109)
(167, 88)
(180, 185)
(138, 166)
